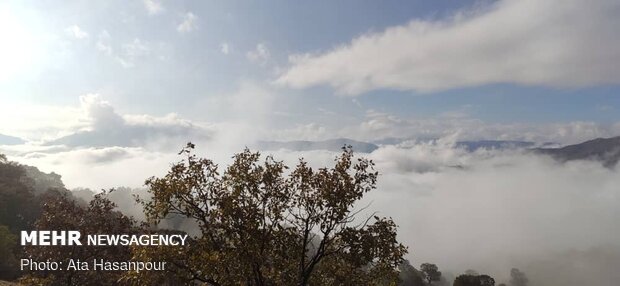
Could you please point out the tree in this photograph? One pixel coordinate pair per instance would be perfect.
(518, 278)
(430, 272)
(18, 207)
(408, 275)
(474, 280)
(486, 280)
(22, 189)
(262, 226)
(8, 262)
(61, 212)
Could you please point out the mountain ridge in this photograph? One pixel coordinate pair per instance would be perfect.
(604, 150)
(10, 140)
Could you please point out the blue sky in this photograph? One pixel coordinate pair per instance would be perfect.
(327, 64)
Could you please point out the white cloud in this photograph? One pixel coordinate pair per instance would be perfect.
(494, 210)
(104, 127)
(76, 32)
(153, 7)
(104, 167)
(225, 48)
(135, 48)
(127, 54)
(38, 122)
(103, 43)
(500, 210)
(98, 113)
(188, 24)
(550, 43)
(309, 131)
(132, 51)
(260, 54)
(379, 125)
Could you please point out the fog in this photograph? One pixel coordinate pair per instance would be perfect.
(557, 222)
(494, 210)
(488, 210)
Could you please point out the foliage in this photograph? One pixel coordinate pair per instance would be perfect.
(518, 278)
(260, 225)
(430, 272)
(474, 280)
(63, 213)
(8, 262)
(408, 275)
(18, 207)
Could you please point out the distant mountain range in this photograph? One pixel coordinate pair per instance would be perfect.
(329, 145)
(604, 150)
(367, 147)
(10, 140)
(494, 144)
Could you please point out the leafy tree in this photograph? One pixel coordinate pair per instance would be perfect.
(518, 278)
(8, 262)
(18, 207)
(63, 213)
(430, 272)
(408, 275)
(474, 280)
(262, 225)
(22, 192)
(486, 280)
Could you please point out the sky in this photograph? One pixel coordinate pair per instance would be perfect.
(316, 70)
(105, 93)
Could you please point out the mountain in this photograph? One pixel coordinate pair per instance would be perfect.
(366, 147)
(604, 150)
(329, 145)
(10, 140)
(493, 144)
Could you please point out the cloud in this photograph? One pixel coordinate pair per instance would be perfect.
(103, 43)
(10, 140)
(309, 131)
(38, 122)
(101, 168)
(76, 32)
(260, 54)
(494, 210)
(556, 43)
(132, 51)
(500, 210)
(99, 113)
(379, 125)
(103, 155)
(153, 7)
(225, 48)
(188, 24)
(127, 54)
(104, 127)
